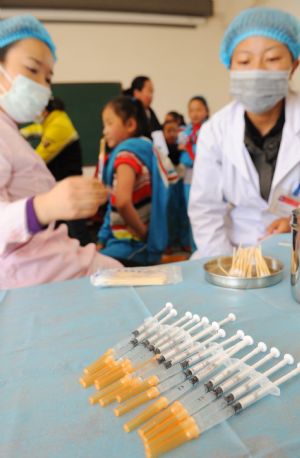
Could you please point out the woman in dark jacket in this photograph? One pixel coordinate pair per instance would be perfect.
(142, 89)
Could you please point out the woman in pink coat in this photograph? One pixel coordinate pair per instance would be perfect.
(32, 251)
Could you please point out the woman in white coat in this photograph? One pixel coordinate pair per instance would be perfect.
(247, 172)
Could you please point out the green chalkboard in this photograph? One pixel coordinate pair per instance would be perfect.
(84, 103)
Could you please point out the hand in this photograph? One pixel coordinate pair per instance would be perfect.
(180, 169)
(279, 226)
(181, 147)
(72, 198)
(140, 235)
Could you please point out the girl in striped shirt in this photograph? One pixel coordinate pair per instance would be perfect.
(135, 226)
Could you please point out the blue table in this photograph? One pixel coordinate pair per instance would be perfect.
(49, 333)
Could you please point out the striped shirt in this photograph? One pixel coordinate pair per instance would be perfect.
(141, 196)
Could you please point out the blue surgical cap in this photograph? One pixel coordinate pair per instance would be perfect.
(26, 26)
(267, 22)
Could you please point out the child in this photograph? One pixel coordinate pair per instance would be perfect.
(177, 117)
(135, 226)
(32, 251)
(59, 143)
(178, 222)
(198, 114)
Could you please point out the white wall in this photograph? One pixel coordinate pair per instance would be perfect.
(181, 62)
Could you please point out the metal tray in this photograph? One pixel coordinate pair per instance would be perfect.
(214, 274)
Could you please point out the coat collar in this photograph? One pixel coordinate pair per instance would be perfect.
(289, 152)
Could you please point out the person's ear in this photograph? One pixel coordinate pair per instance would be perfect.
(136, 93)
(131, 125)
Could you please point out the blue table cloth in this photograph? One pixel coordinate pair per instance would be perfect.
(48, 334)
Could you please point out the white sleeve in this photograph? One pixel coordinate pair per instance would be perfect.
(13, 220)
(207, 208)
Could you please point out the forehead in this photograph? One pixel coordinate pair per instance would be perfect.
(196, 104)
(31, 47)
(259, 45)
(148, 85)
(109, 112)
(171, 125)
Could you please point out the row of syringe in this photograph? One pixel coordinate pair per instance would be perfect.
(200, 374)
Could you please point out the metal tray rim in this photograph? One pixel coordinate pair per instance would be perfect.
(243, 283)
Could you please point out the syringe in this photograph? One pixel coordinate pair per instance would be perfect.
(168, 352)
(184, 337)
(115, 366)
(122, 347)
(152, 342)
(192, 427)
(174, 388)
(166, 379)
(210, 350)
(152, 319)
(189, 402)
(219, 378)
(216, 359)
(209, 402)
(129, 386)
(202, 348)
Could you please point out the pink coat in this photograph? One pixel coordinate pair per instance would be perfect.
(50, 255)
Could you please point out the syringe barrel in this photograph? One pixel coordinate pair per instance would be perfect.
(170, 333)
(225, 373)
(178, 391)
(257, 379)
(251, 398)
(172, 339)
(171, 382)
(212, 359)
(213, 419)
(190, 361)
(197, 399)
(147, 333)
(184, 354)
(144, 325)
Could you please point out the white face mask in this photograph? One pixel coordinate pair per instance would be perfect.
(25, 100)
(259, 90)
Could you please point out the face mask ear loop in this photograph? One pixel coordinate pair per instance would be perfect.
(7, 76)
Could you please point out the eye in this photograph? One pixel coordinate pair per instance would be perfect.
(32, 70)
(273, 58)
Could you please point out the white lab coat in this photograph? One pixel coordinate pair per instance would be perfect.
(226, 207)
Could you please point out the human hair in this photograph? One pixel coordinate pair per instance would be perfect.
(126, 108)
(137, 84)
(4, 50)
(170, 121)
(55, 103)
(201, 99)
(178, 117)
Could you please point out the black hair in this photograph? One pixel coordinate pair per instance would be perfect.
(5, 49)
(137, 84)
(127, 107)
(55, 103)
(178, 117)
(171, 121)
(201, 99)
